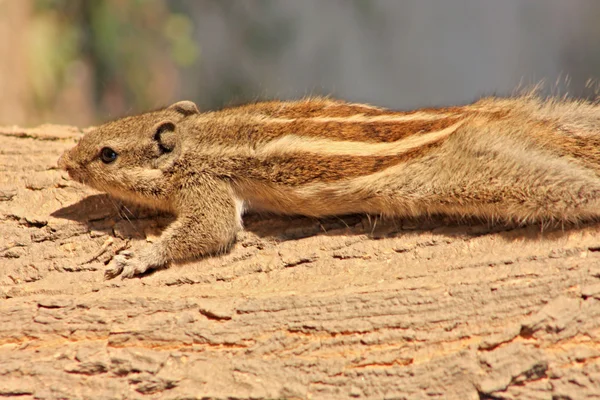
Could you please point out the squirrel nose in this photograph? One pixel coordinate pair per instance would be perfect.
(63, 161)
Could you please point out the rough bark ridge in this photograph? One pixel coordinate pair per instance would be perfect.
(300, 308)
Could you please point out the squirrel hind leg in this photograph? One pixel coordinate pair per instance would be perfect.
(551, 202)
(511, 184)
(572, 204)
(531, 181)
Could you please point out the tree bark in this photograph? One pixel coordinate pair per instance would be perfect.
(351, 307)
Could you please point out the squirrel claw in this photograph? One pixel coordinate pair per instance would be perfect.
(133, 267)
(127, 265)
(117, 265)
(113, 271)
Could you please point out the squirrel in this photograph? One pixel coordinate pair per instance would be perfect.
(522, 159)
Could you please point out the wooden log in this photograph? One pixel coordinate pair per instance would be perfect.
(351, 307)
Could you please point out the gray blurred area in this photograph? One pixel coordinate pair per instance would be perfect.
(399, 54)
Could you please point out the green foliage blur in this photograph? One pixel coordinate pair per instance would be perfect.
(130, 50)
(82, 62)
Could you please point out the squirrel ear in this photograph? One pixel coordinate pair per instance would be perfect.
(185, 107)
(164, 135)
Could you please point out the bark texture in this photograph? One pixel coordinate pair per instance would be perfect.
(347, 307)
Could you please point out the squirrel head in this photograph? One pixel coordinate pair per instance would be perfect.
(116, 157)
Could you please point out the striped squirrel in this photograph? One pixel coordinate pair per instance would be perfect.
(519, 159)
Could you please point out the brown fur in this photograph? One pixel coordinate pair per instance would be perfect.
(370, 132)
(519, 159)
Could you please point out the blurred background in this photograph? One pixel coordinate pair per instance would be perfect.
(81, 62)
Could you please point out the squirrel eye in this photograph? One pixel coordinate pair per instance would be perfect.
(108, 155)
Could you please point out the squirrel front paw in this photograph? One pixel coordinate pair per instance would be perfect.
(128, 265)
